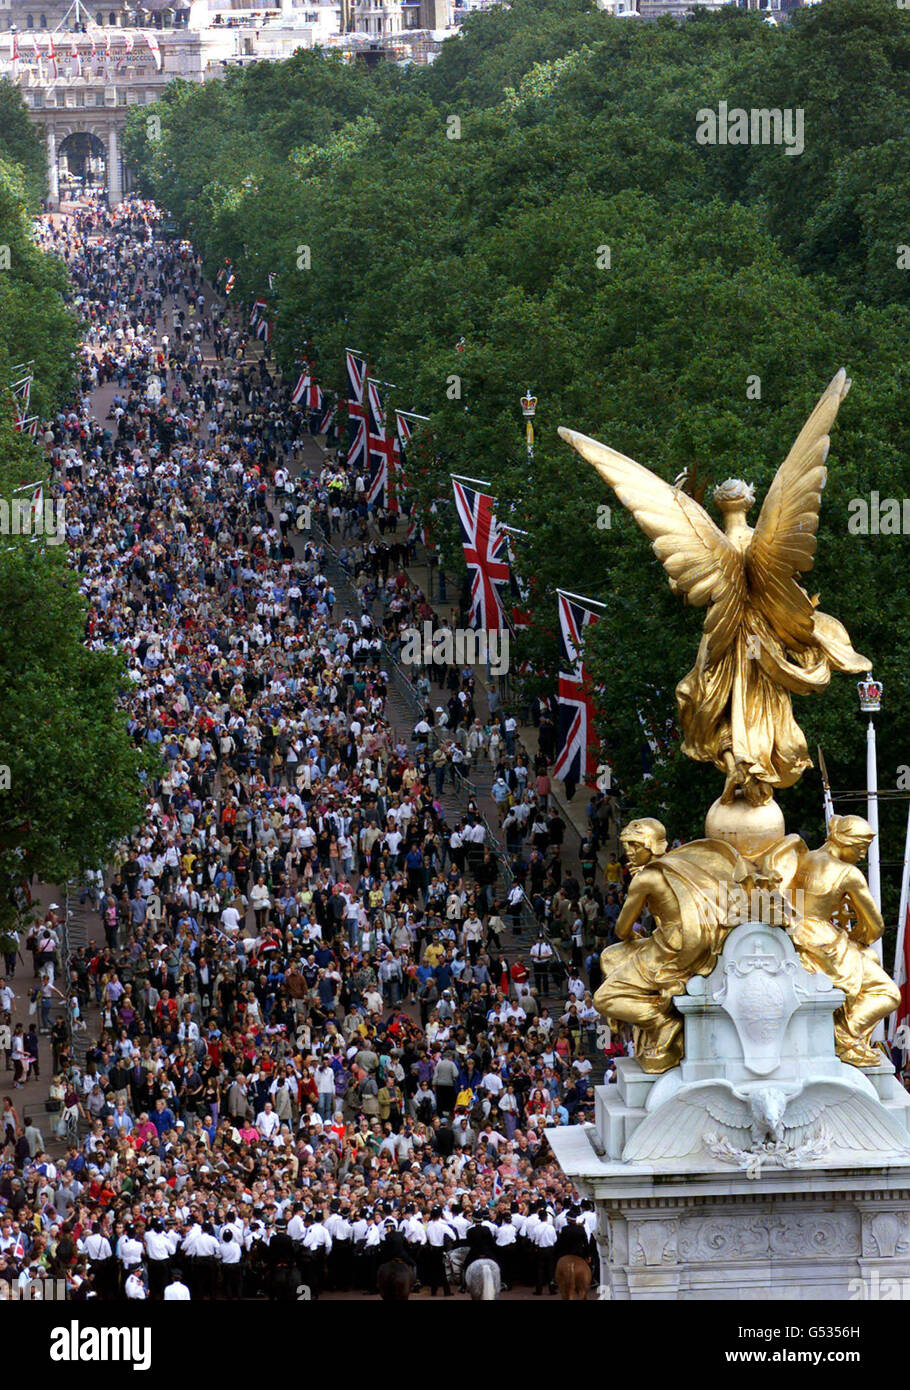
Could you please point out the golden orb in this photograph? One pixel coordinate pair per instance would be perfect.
(750, 829)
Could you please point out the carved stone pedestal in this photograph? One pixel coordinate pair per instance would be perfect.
(760, 1168)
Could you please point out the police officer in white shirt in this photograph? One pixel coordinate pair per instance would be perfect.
(506, 1237)
(544, 1239)
(97, 1248)
(133, 1286)
(230, 1254)
(129, 1252)
(176, 1291)
(317, 1246)
(341, 1232)
(440, 1236)
(159, 1248)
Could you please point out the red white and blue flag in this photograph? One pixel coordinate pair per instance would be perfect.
(258, 309)
(307, 393)
(485, 552)
(22, 394)
(263, 328)
(357, 410)
(576, 760)
(382, 450)
(520, 614)
(328, 417)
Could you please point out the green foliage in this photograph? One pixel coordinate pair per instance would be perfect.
(68, 769)
(475, 200)
(21, 144)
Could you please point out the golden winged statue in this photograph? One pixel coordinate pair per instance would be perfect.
(764, 639)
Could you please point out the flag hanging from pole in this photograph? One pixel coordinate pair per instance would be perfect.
(357, 411)
(576, 760)
(381, 452)
(155, 48)
(52, 57)
(263, 327)
(900, 1019)
(22, 394)
(258, 309)
(328, 417)
(484, 552)
(307, 393)
(519, 615)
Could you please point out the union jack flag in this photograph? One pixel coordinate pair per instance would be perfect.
(576, 760)
(383, 449)
(417, 530)
(263, 327)
(259, 308)
(357, 411)
(485, 551)
(518, 592)
(22, 394)
(328, 418)
(307, 392)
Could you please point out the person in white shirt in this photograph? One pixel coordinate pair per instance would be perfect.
(267, 1122)
(230, 920)
(440, 1233)
(159, 1248)
(176, 1291)
(133, 1286)
(317, 1246)
(129, 1251)
(544, 1238)
(229, 1255)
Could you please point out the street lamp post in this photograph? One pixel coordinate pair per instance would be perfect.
(870, 702)
(528, 410)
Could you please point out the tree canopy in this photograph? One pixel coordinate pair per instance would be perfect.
(539, 193)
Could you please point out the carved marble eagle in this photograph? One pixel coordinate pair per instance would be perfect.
(767, 1114)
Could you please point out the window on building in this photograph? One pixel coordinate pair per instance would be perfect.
(43, 21)
(30, 21)
(99, 18)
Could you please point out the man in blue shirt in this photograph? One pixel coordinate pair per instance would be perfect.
(162, 1117)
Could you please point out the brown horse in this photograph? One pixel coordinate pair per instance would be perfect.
(395, 1281)
(573, 1277)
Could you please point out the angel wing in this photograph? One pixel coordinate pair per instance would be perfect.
(701, 562)
(784, 541)
(675, 1129)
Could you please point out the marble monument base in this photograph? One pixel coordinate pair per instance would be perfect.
(760, 1168)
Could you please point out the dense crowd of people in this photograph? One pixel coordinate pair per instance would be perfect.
(320, 1032)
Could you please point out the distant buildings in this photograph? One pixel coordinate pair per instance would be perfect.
(80, 67)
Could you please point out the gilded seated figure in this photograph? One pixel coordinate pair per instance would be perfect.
(833, 922)
(686, 890)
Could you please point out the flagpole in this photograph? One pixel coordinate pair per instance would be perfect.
(826, 786)
(901, 921)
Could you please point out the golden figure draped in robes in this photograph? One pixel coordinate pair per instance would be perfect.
(833, 922)
(764, 639)
(683, 889)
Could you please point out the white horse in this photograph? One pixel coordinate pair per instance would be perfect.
(483, 1281)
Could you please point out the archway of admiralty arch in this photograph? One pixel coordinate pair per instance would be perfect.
(82, 156)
